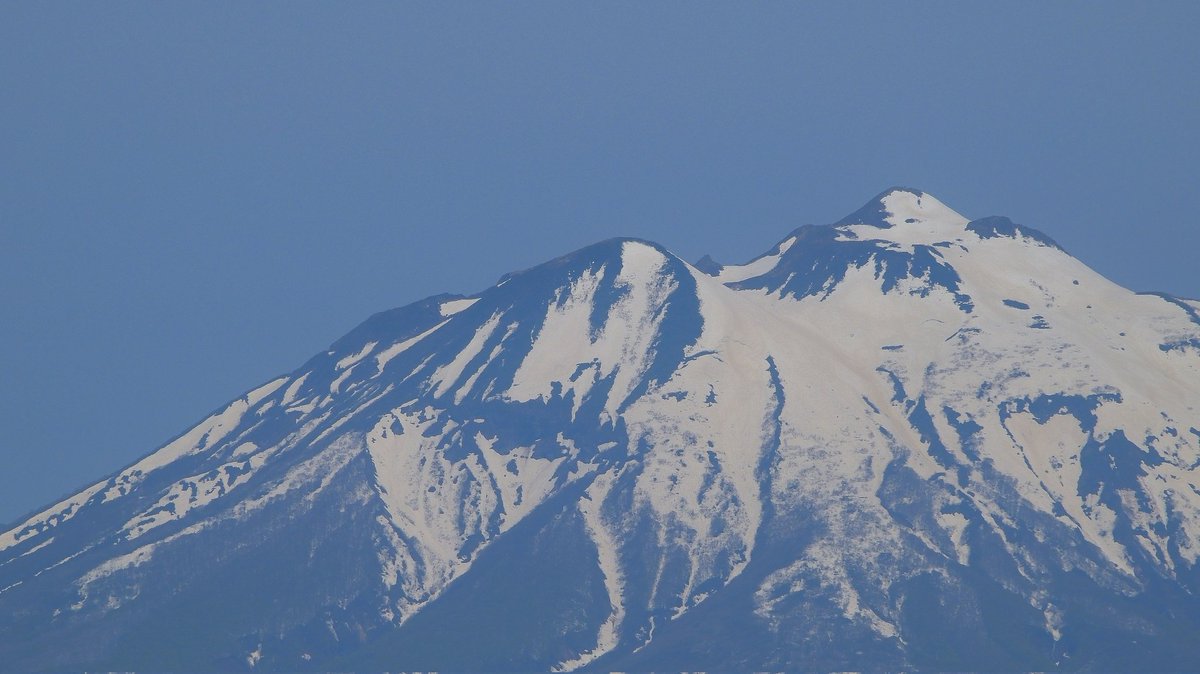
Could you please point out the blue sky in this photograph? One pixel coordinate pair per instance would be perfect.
(196, 197)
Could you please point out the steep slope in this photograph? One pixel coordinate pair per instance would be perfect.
(903, 440)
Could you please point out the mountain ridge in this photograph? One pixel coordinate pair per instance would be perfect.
(826, 444)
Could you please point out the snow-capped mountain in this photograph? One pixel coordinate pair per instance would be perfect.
(903, 440)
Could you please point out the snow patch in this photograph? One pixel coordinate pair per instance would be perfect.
(609, 559)
(452, 307)
(386, 355)
(356, 356)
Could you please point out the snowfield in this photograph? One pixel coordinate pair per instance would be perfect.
(906, 440)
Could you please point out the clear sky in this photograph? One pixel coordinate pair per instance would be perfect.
(195, 197)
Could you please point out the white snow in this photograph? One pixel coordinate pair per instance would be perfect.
(382, 358)
(194, 492)
(243, 450)
(609, 557)
(802, 389)
(424, 494)
(451, 307)
(757, 266)
(336, 385)
(30, 551)
(915, 220)
(310, 477)
(523, 480)
(904, 206)
(48, 518)
(469, 384)
(293, 390)
(955, 524)
(206, 435)
(623, 344)
(444, 378)
(356, 356)
(555, 352)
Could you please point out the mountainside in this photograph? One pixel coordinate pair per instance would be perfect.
(904, 440)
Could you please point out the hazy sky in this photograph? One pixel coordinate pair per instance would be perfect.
(196, 197)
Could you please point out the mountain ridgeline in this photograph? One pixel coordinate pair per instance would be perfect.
(906, 440)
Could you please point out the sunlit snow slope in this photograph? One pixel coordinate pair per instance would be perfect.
(904, 440)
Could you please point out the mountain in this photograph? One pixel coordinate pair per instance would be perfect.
(906, 440)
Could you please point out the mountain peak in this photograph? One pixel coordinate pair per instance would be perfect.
(671, 453)
(993, 226)
(901, 205)
(708, 265)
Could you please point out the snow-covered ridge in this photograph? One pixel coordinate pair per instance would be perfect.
(890, 407)
(205, 435)
(914, 219)
(757, 266)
